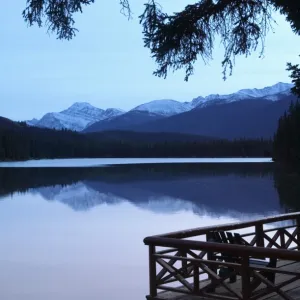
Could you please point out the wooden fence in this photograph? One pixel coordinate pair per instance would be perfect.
(187, 262)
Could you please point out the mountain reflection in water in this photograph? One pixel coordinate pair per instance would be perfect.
(237, 190)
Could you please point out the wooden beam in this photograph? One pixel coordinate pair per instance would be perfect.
(232, 226)
(226, 248)
(152, 271)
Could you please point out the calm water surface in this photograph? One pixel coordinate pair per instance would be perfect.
(94, 162)
(77, 233)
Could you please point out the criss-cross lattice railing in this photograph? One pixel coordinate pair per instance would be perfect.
(185, 263)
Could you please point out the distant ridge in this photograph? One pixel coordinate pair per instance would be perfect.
(82, 116)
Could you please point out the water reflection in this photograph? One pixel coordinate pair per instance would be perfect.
(77, 233)
(234, 190)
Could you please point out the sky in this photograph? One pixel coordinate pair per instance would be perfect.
(107, 65)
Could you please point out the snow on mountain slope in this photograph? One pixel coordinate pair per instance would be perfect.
(82, 115)
(165, 107)
(77, 117)
(272, 93)
(169, 107)
(266, 92)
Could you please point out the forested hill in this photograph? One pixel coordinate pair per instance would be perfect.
(19, 141)
(287, 138)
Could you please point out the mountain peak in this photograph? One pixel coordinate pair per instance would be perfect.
(271, 93)
(77, 117)
(80, 105)
(277, 88)
(164, 107)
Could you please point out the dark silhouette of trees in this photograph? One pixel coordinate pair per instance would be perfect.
(286, 146)
(23, 142)
(287, 138)
(177, 40)
(295, 75)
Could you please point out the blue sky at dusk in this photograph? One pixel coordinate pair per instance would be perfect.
(107, 65)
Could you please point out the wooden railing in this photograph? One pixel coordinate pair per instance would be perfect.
(186, 262)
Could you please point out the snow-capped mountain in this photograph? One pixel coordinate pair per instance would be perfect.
(165, 107)
(168, 107)
(272, 93)
(81, 115)
(77, 117)
(267, 92)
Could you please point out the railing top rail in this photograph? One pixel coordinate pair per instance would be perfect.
(231, 226)
(239, 250)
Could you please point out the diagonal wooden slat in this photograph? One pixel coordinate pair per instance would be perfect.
(292, 238)
(218, 280)
(272, 286)
(171, 262)
(272, 241)
(253, 241)
(173, 271)
(267, 291)
(181, 271)
(282, 238)
(194, 255)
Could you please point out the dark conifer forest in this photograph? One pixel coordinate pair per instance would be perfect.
(19, 141)
(287, 138)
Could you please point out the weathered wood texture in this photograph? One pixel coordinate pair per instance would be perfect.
(197, 268)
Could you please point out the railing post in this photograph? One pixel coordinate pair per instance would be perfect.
(245, 274)
(282, 238)
(210, 256)
(259, 232)
(196, 278)
(298, 232)
(152, 271)
(184, 263)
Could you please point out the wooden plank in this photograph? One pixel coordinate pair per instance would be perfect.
(268, 230)
(218, 247)
(206, 261)
(167, 251)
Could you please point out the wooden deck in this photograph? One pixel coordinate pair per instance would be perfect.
(292, 290)
(188, 265)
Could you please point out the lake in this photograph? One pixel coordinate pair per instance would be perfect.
(72, 232)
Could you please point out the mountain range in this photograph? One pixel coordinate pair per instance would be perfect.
(248, 113)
